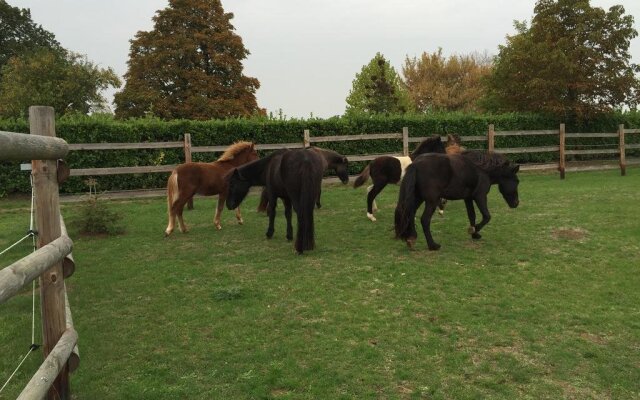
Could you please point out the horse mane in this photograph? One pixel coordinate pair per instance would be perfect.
(235, 149)
(486, 160)
(328, 154)
(432, 144)
(453, 144)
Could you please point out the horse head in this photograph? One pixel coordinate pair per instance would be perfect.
(237, 188)
(342, 169)
(508, 183)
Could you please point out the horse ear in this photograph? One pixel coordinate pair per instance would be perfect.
(345, 160)
(516, 168)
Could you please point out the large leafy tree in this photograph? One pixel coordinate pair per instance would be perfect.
(20, 35)
(573, 61)
(436, 83)
(66, 81)
(188, 66)
(377, 89)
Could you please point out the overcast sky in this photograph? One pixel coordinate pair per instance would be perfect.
(305, 53)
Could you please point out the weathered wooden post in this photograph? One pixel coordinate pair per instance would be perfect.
(491, 141)
(405, 141)
(562, 157)
(306, 139)
(187, 159)
(623, 162)
(52, 290)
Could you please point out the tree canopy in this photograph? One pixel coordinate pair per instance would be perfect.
(20, 35)
(188, 66)
(573, 61)
(66, 81)
(436, 83)
(377, 89)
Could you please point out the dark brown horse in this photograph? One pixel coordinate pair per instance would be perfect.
(467, 176)
(295, 176)
(206, 179)
(333, 161)
(387, 169)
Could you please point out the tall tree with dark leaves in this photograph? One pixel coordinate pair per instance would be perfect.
(20, 35)
(377, 89)
(573, 61)
(188, 66)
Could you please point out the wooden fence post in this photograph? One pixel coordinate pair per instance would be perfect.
(491, 138)
(52, 290)
(187, 159)
(623, 162)
(306, 139)
(405, 141)
(562, 156)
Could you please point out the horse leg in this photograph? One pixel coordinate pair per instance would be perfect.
(441, 205)
(481, 202)
(425, 220)
(287, 214)
(318, 205)
(239, 216)
(179, 210)
(271, 212)
(471, 214)
(172, 222)
(371, 199)
(219, 208)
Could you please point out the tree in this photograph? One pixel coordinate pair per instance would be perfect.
(20, 35)
(66, 81)
(435, 83)
(188, 66)
(377, 89)
(573, 61)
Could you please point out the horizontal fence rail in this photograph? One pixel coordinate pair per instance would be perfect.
(19, 274)
(21, 147)
(563, 148)
(41, 382)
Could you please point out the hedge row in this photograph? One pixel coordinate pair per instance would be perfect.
(94, 129)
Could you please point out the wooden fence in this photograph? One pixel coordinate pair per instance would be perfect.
(52, 262)
(307, 140)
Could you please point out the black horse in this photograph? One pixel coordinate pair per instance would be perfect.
(389, 169)
(333, 161)
(468, 175)
(295, 176)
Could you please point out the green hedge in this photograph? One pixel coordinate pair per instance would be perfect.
(94, 129)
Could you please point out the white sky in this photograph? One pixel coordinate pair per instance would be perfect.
(305, 53)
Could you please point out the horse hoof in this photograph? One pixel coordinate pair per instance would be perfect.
(434, 247)
(476, 235)
(218, 227)
(166, 234)
(241, 221)
(441, 212)
(411, 243)
(471, 230)
(371, 217)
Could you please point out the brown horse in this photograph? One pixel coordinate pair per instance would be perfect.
(206, 179)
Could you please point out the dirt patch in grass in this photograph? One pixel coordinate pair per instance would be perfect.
(570, 233)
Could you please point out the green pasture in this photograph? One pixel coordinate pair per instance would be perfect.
(545, 305)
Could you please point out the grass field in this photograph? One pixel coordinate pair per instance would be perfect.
(546, 305)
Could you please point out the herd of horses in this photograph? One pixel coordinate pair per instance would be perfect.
(433, 173)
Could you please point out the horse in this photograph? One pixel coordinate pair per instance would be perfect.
(390, 169)
(468, 176)
(295, 176)
(206, 179)
(333, 161)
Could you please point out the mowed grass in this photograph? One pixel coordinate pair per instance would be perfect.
(546, 305)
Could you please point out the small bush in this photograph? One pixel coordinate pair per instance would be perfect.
(96, 218)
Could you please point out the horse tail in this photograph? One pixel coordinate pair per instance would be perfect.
(309, 191)
(264, 201)
(406, 209)
(172, 190)
(362, 178)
